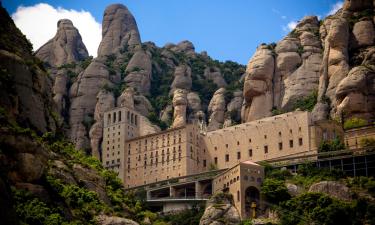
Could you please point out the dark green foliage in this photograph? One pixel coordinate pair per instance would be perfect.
(86, 62)
(316, 208)
(88, 121)
(187, 217)
(155, 120)
(307, 103)
(11, 38)
(31, 210)
(275, 111)
(367, 183)
(274, 191)
(331, 145)
(68, 66)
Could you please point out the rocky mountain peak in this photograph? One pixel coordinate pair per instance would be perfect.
(66, 47)
(119, 30)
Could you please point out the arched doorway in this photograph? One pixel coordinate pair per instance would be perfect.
(251, 201)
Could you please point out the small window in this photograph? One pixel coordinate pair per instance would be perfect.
(204, 163)
(266, 149)
(280, 146)
(215, 148)
(226, 157)
(300, 141)
(265, 136)
(238, 196)
(238, 155)
(119, 116)
(238, 143)
(250, 140)
(291, 143)
(250, 153)
(215, 160)
(290, 131)
(279, 133)
(226, 145)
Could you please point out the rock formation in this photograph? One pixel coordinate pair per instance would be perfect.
(216, 110)
(105, 101)
(180, 106)
(182, 78)
(194, 107)
(332, 188)
(214, 74)
(258, 85)
(139, 72)
(220, 210)
(66, 47)
(119, 32)
(233, 112)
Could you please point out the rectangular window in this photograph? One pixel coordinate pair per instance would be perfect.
(250, 153)
(266, 149)
(300, 141)
(226, 157)
(114, 117)
(119, 116)
(215, 160)
(238, 196)
(291, 143)
(280, 146)
(238, 155)
(204, 163)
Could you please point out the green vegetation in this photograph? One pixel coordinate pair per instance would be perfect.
(274, 191)
(331, 145)
(307, 103)
(317, 208)
(354, 123)
(86, 62)
(186, 217)
(155, 120)
(11, 38)
(367, 142)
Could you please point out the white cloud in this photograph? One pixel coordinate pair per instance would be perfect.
(290, 26)
(39, 24)
(335, 7)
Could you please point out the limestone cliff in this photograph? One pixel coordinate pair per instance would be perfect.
(43, 179)
(332, 58)
(66, 47)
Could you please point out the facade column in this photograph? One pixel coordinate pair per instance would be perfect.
(198, 190)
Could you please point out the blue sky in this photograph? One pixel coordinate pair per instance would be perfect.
(227, 30)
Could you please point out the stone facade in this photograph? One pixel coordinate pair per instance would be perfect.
(189, 150)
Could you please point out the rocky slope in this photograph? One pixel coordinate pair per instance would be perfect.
(331, 58)
(43, 178)
(220, 210)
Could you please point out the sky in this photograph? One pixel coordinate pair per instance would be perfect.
(227, 30)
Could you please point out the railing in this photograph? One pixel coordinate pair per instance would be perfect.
(180, 180)
(321, 156)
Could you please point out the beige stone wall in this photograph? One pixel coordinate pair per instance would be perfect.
(120, 124)
(353, 137)
(269, 138)
(165, 155)
(236, 180)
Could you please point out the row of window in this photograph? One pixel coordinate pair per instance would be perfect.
(115, 117)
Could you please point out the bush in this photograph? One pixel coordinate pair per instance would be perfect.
(307, 103)
(315, 208)
(274, 191)
(331, 145)
(354, 123)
